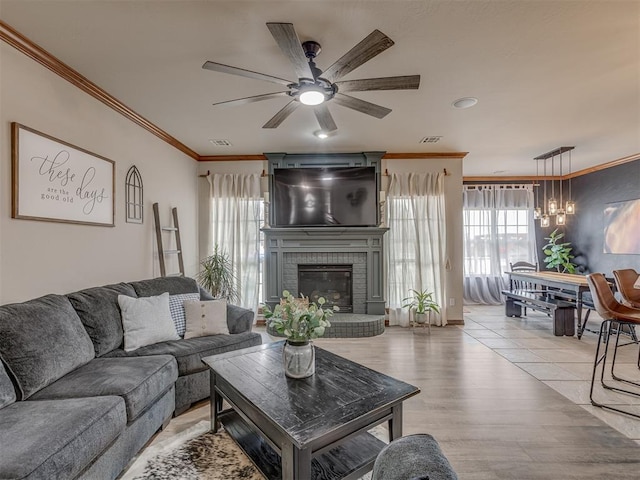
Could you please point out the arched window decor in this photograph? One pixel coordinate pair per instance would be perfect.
(133, 196)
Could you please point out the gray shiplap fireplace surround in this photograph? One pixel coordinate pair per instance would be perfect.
(359, 247)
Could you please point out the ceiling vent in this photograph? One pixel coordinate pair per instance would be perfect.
(434, 139)
(220, 143)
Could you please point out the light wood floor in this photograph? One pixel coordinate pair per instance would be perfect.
(503, 396)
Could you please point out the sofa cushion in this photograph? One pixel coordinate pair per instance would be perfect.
(100, 314)
(57, 438)
(239, 319)
(157, 286)
(7, 390)
(189, 353)
(146, 320)
(139, 381)
(178, 313)
(42, 340)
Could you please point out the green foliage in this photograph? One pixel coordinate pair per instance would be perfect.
(422, 301)
(217, 275)
(298, 319)
(558, 255)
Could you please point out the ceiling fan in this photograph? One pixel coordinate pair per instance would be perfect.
(315, 87)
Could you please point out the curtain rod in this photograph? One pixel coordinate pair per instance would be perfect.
(444, 170)
(503, 185)
(385, 174)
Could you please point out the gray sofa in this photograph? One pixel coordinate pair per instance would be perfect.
(73, 403)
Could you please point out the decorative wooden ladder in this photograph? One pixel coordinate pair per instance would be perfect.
(159, 238)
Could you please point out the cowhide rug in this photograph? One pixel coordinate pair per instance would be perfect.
(198, 454)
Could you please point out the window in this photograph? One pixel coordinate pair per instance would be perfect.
(498, 230)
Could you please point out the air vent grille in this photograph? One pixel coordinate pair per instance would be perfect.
(432, 139)
(220, 143)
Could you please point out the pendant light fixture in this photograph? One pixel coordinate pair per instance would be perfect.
(571, 205)
(537, 211)
(553, 207)
(544, 218)
(561, 218)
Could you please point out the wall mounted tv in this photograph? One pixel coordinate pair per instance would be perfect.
(345, 196)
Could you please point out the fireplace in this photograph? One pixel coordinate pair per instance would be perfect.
(333, 282)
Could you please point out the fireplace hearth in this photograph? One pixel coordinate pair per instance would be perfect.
(333, 282)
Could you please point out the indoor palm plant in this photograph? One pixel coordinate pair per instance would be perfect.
(300, 321)
(558, 255)
(421, 302)
(217, 275)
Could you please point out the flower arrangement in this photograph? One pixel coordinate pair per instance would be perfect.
(298, 319)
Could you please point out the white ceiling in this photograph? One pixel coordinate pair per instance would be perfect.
(546, 73)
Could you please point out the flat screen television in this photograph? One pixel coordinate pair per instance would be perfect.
(343, 196)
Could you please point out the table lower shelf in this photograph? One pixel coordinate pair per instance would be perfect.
(349, 460)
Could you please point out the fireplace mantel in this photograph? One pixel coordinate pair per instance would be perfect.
(326, 245)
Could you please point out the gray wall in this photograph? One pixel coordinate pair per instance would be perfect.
(585, 230)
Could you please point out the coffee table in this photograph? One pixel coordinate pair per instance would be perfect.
(302, 429)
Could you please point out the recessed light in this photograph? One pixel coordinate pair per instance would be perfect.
(465, 102)
(321, 134)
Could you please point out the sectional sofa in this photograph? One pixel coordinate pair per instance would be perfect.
(73, 402)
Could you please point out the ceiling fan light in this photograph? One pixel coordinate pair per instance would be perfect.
(312, 97)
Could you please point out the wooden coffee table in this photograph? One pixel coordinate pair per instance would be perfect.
(312, 428)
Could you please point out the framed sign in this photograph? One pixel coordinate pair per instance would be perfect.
(55, 181)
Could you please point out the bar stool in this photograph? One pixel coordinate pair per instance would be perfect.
(616, 316)
(625, 280)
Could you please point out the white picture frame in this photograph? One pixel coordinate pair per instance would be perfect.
(56, 181)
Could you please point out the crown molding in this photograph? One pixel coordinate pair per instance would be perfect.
(21, 43)
(386, 156)
(579, 173)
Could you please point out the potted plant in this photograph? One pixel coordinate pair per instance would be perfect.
(558, 255)
(422, 304)
(300, 321)
(217, 275)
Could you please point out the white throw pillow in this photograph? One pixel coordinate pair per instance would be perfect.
(206, 318)
(146, 320)
(637, 284)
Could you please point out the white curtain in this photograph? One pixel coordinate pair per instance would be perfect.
(498, 230)
(416, 241)
(234, 224)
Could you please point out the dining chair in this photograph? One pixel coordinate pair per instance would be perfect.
(522, 284)
(615, 317)
(625, 280)
(523, 267)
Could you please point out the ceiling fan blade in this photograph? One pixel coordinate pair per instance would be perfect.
(376, 42)
(325, 120)
(408, 82)
(219, 67)
(288, 41)
(256, 98)
(361, 106)
(279, 117)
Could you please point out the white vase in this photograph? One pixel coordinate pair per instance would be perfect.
(299, 359)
